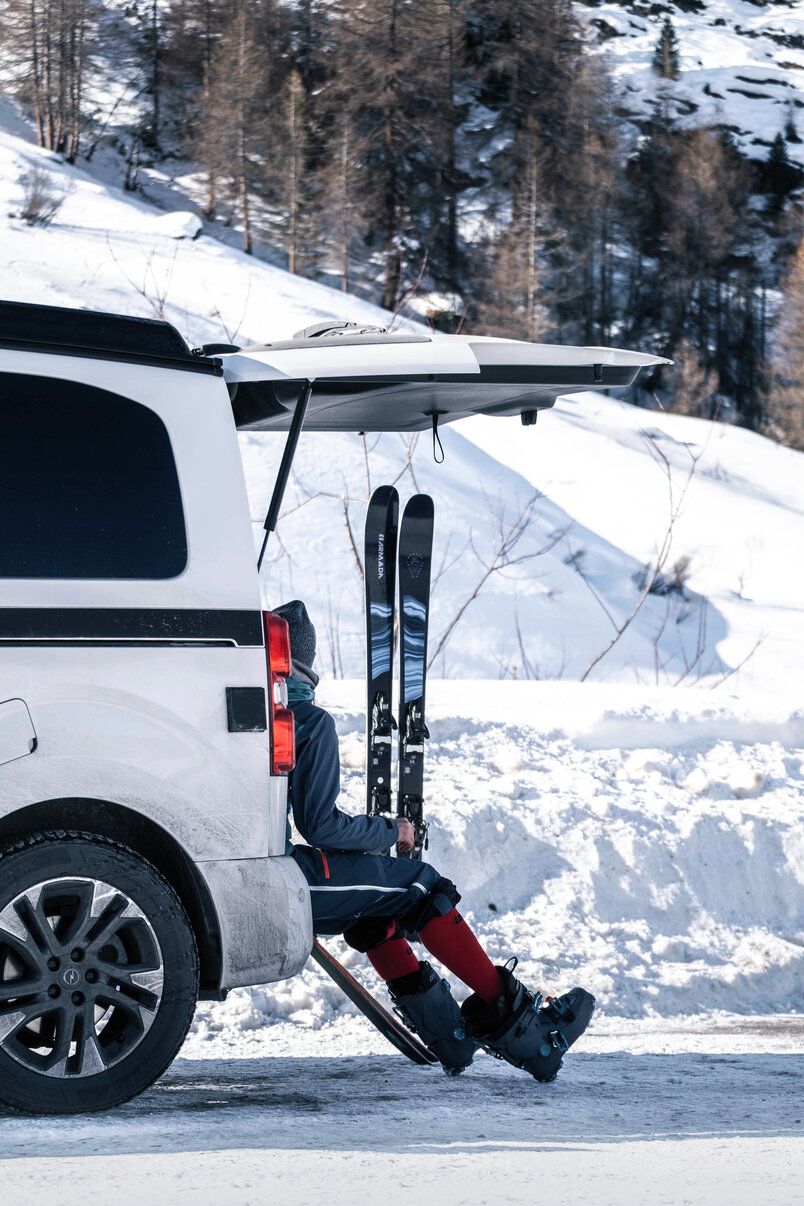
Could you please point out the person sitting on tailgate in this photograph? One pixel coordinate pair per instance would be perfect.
(380, 904)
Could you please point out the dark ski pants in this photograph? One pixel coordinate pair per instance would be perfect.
(353, 888)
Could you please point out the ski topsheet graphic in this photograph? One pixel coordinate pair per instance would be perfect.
(415, 557)
(379, 562)
(385, 1022)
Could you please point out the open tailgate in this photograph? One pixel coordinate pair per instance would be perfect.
(400, 382)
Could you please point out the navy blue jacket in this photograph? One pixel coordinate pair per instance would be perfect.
(315, 784)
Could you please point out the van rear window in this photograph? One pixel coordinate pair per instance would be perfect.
(88, 485)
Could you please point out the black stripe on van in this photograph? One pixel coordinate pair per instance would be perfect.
(127, 625)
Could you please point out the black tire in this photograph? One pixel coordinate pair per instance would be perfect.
(98, 973)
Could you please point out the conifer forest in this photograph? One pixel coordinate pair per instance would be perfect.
(467, 161)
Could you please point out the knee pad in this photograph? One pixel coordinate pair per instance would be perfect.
(368, 932)
(437, 903)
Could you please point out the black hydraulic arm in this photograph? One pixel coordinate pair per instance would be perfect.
(296, 424)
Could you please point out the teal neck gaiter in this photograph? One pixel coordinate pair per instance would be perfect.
(298, 691)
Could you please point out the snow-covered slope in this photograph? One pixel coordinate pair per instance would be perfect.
(742, 63)
(738, 502)
(478, 501)
(597, 480)
(107, 250)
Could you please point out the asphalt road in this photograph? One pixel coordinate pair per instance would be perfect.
(616, 1127)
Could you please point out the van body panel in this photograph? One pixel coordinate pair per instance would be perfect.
(125, 681)
(17, 734)
(387, 356)
(265, 919)
(147, 728)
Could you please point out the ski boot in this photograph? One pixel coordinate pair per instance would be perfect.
(424, 1002)
(525, 1029)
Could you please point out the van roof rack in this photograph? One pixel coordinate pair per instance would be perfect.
(95, 334)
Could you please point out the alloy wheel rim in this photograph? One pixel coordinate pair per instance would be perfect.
(81, 977)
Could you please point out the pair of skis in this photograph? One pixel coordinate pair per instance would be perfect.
(414, 538)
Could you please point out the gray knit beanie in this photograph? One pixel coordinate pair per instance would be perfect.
(302, 640)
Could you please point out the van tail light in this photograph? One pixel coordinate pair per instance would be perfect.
(283, 731)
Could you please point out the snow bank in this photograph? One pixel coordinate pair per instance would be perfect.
(645, 844)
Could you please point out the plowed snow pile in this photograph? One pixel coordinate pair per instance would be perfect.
(646, 843)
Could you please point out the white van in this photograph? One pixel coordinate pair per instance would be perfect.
(144, 747)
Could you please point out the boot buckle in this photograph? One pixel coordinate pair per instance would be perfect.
(405, 1017)
(559, 1010)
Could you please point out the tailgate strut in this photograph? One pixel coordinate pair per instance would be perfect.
(296, 424)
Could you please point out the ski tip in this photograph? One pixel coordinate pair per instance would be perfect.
(419, 505)
(383, 495)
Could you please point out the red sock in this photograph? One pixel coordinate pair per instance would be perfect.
(393, 958)
(453, 944)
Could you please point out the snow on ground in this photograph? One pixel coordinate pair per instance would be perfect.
(741, 64)
(648, 844)
(709, 1118)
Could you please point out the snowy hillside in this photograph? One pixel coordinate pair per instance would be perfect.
(739, 505)
(597, 482)
(742, 64)
(107, 250)
(602, 501)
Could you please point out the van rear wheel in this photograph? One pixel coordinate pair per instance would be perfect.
(98, 973)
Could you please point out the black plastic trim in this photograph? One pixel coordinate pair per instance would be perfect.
(195, 365)
(246, 710)
(127, 625)
(95, 334)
